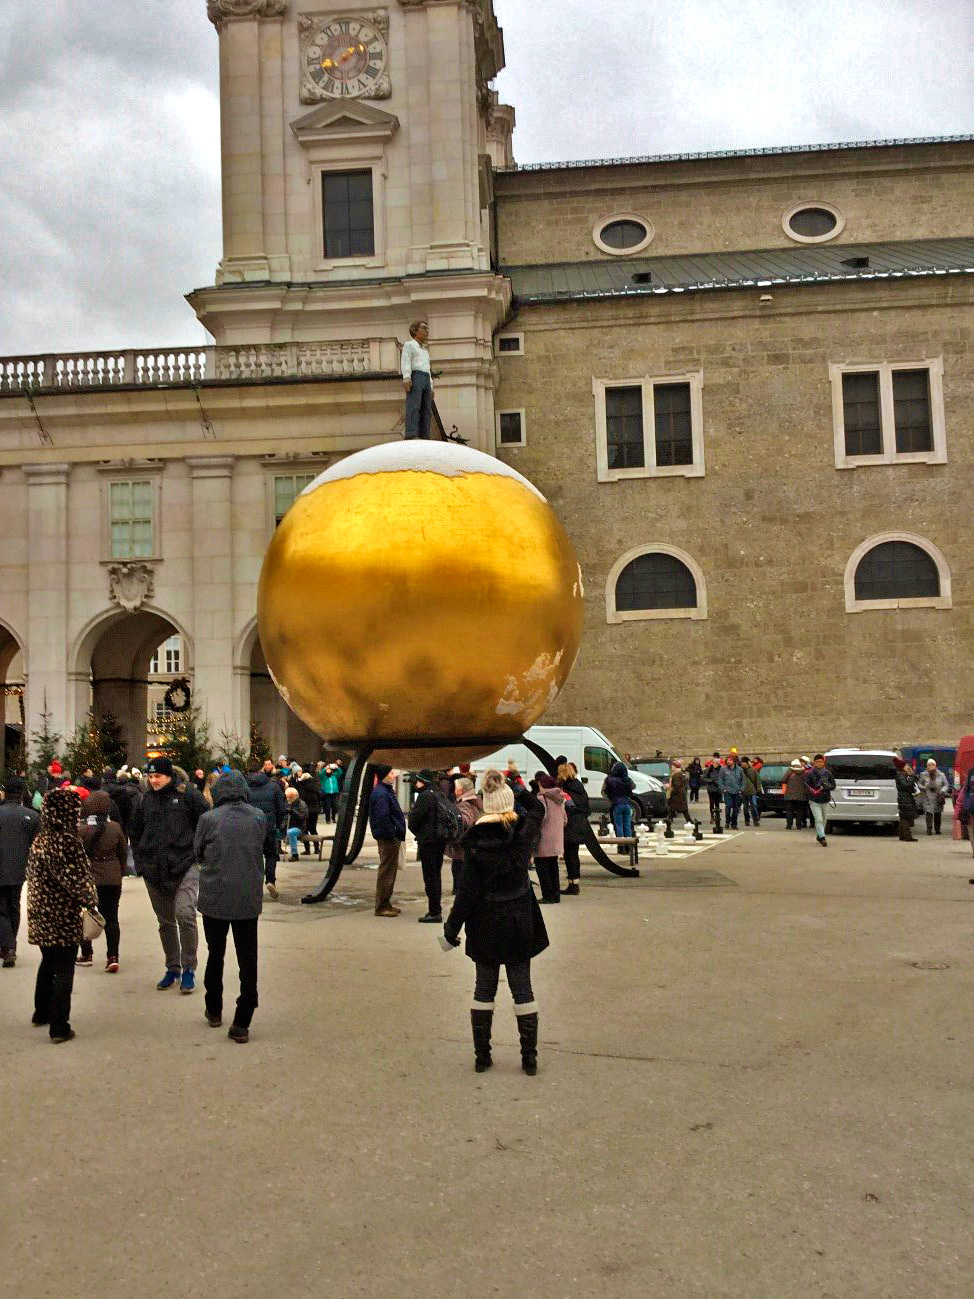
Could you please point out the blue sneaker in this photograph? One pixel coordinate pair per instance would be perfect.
(187, 983)
(167, 980)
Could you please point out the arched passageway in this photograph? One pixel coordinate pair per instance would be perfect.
(112, 671)
(14, 683)
(282, 729)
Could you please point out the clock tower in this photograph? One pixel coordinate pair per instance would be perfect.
(358, 140)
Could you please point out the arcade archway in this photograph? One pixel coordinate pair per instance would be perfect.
(283, 730)
(13, 680)
(112, 670)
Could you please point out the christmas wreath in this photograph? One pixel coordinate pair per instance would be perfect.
(177, 697)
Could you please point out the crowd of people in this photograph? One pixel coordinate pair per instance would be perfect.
(208, 844)
(205, 844)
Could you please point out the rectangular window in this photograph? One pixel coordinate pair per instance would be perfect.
(649, 428)
(287, 489)
(862, 413)
(888, 412)
(911, 410)
(510, 428)
(624, 428)
(131, 511)
(674, 429)
(598, 759)
(512, 344)
(346, 202)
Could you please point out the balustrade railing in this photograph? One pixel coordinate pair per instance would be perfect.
(169, 367)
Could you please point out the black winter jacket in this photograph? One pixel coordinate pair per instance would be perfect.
(307, 786)
(495, 901)
(578, 812)
(163, 827)
(18, 826)
(422, 819)
(906, 784)
(268, 796)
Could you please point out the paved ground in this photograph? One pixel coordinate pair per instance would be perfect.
(755, 1081)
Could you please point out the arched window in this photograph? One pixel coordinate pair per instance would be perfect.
(655, 582)
(897, 571)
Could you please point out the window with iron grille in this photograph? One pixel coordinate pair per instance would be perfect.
(862, 413)
(911, 410)
(888, 412)
(131, 513)
(347, 207)
(624, 428)
(287, 489)
(897, 570)
(655, 581)
(674, 426)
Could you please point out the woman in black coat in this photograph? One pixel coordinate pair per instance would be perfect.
(578, 810)
(504, 925)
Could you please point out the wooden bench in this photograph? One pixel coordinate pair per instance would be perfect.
(318, 840)
(631, 843)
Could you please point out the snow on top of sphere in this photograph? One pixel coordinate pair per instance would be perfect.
(446, 458)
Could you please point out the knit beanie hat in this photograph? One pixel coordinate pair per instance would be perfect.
(159, 767)
(547, 782)
(381, 770)
(795, 765)
(427, 777)
(498, 795)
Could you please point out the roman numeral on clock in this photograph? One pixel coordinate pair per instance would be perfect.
(372, 71)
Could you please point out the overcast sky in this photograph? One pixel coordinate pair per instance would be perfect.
(109, 124)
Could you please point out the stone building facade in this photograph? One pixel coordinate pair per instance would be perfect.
(734, 376)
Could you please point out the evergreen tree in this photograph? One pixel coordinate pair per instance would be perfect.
(45, 742)
(260, 750)
(189, 744)
(232, 751)
(112, 741)
(83, 750)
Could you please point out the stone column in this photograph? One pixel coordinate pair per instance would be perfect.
(47, 619)
(213, 592)
(244, 135)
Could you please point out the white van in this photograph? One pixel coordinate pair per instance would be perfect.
(865, 786)
(591, 753)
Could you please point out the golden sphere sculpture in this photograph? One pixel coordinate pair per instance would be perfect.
(422, 598)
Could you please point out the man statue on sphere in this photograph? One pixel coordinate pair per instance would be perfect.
(418, 381)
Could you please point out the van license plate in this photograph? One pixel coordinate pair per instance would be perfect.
(862, 793)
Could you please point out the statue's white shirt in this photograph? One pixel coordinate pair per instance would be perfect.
(414, 357)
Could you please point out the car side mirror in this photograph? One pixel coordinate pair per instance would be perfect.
(584, 780)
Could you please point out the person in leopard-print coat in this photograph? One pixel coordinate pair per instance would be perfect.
(59, 885)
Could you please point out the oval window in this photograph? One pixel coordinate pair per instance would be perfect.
(625, 233)
(812, 223)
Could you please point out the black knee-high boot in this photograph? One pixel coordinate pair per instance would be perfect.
(481, 1021)
(527, 1028)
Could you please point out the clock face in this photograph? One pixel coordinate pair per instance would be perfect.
(346, 58)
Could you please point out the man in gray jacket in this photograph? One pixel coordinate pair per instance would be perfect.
(18, 825)
(229, 847)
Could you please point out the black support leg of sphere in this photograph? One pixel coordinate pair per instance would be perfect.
(354, 800)
(591, 843)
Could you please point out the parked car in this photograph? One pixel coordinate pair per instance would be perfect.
(865, 786)
(944, 755)
(658, 768)
(592, 754)
(771, 801)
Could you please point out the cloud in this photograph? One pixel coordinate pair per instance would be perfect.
(109, 124)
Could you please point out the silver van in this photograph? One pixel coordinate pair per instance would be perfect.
(865, 786)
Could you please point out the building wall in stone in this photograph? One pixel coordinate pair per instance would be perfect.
(778, 665)
(718, 205)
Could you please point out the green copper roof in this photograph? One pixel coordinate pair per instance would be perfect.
(695, 273)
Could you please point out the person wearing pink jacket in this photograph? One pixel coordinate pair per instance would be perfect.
(551, 845)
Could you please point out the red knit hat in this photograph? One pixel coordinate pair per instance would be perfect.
(55, 768)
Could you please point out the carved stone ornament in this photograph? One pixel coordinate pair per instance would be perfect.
(219, 11)
(130, 585)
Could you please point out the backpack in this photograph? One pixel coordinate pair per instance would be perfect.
(449, 824)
